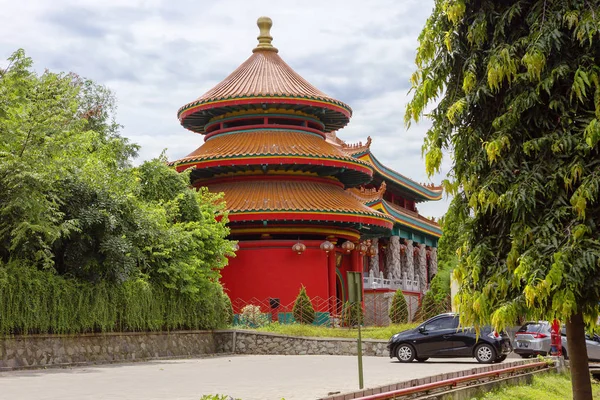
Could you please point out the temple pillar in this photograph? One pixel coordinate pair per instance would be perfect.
(374, 262)
(403, 271)
(422, 267)
(410, 269)
(433, 264)
(393, 258)
(331, 261)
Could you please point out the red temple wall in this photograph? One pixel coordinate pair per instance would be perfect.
(270, 269)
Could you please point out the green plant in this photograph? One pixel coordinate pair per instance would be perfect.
(371, 332)
(303, 309)
(251, 316)
(352, 314)
(430, 307)
(512, 89)
(399, 309)
(228, 309)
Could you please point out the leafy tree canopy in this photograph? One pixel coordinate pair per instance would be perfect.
(72, 202)
(517, 85)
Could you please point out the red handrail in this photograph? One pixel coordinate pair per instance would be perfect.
(448, 382)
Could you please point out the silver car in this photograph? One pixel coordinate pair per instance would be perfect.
(592, 343)
(534, 338)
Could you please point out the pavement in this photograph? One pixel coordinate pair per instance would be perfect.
(251, 377)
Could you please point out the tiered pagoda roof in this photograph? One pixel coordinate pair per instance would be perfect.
(265, 149)
(264, 79)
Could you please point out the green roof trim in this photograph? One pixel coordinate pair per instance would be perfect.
(421, 192)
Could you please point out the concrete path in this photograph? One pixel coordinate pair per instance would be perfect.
(245, 377)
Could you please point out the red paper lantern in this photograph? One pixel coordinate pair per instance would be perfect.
(348, 246)
(362, 248)
(327, 246)
(299, 247)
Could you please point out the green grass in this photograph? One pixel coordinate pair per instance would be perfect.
(546, 387)
(320, 331)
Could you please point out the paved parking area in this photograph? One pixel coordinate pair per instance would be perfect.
(245, 377)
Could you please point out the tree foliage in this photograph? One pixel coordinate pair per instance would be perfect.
(399, 309)
(303, 310)
(518, 90)
(73, 204)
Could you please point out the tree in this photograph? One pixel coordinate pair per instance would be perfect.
(352, 314)
(399, 309)
(517, 91)
(303, 309)
(72, 204)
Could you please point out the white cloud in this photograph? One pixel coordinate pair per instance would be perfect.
(158, 55)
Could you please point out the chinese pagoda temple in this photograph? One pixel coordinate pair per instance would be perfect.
(305, 206)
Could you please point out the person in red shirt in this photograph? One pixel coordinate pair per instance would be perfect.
(555, 341)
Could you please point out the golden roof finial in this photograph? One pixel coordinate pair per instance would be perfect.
(264, 38)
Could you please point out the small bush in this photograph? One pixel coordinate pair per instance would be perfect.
(399, 309)
(303, 309)
(228, 309)
(352, 314)
(252, 316)
(430, 307)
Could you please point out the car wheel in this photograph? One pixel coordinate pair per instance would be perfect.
(501, 358)
(485, 354)
(564, 353)
(405, 353)
(422, 359)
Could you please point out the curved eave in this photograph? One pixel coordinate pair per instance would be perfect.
(195, 115)
(360, 220)
(421, 192)
(407, 220)
(356, 173)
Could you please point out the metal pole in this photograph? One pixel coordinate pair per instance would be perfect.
(359, 314)
(360, 365)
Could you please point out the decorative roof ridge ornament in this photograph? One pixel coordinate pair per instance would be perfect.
(368, 195)
(355, 148)
(264, 38)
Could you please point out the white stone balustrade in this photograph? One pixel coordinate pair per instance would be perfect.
(372, 282)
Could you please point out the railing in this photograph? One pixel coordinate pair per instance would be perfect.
(448, 384)
(409, 285)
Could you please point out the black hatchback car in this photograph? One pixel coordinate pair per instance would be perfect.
(440, 337)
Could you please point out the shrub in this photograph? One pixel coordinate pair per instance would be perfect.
(252, 316)
(430, 307)
(352, 314)
(303, 310)
(399, 308)
(228, 309)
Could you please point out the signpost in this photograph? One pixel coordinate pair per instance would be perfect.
(355, 298)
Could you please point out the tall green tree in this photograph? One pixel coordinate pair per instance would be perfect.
(73, 204)
(516, 87)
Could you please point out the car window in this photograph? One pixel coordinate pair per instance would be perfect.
(533, 327)
(442, 323)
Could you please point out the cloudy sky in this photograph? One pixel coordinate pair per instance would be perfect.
(158, 55)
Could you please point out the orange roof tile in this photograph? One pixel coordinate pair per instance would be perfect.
(265, 142)
(263, 74)
(291, 195)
